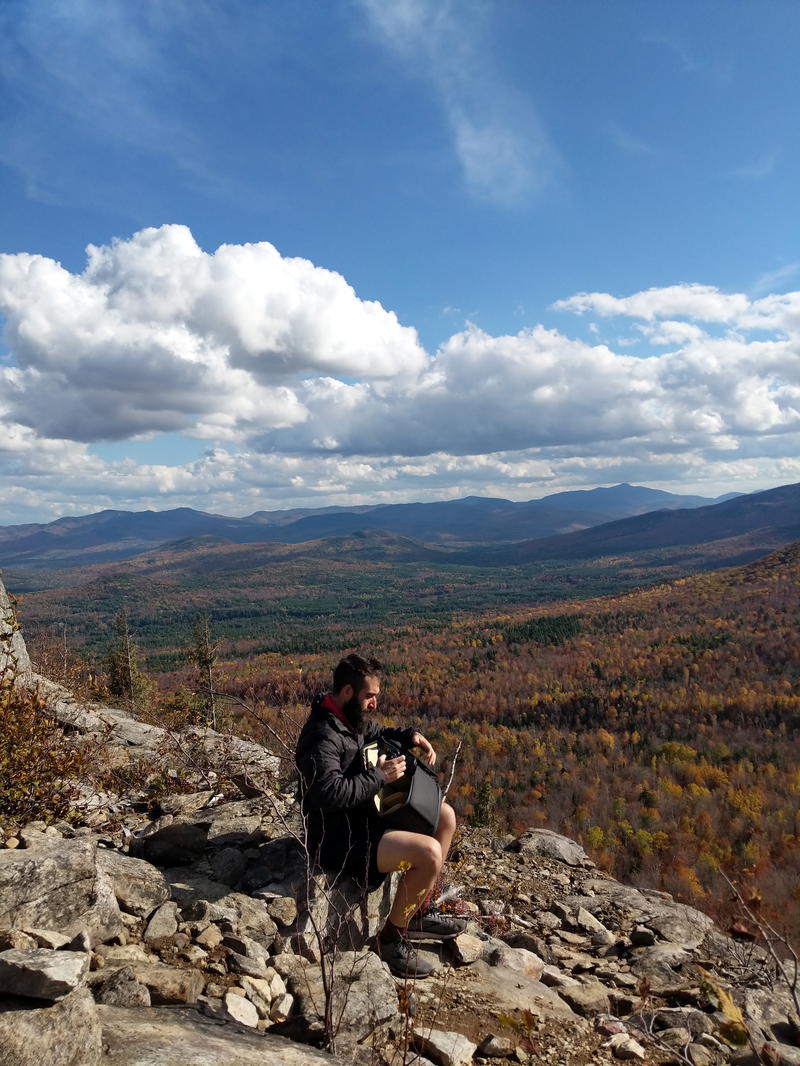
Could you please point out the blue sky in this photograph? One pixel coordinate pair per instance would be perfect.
(386, 250)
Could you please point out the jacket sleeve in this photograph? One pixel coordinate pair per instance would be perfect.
(325, 787)
(403, 737)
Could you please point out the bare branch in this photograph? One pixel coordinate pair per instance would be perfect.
(787, 965)
(452, 769)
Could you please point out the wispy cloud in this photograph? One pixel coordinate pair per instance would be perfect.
(629, 142)
(102, 77)
(774, 279)
(717, 67)
(759, 168)
(502, 147)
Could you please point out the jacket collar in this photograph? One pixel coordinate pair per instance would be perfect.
(327, 704)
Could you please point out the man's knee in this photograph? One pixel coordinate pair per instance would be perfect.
(429, 853)
(401, 851)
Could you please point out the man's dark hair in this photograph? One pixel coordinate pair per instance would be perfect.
(352, 670)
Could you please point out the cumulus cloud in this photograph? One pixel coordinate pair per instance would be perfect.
(309, 395)
(157, 335)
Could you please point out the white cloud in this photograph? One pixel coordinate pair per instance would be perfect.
(773, 279)
(104, 76)
(310, 395)
(157, 336)
(703, 302)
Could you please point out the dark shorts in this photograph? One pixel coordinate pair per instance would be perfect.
(358, 858)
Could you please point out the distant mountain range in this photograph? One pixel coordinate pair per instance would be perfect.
(455, 524)
(741, 529)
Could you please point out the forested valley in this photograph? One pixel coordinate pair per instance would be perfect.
(658, 726)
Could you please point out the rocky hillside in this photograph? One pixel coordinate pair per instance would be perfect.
(177, 928)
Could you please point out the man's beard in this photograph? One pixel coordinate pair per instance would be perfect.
(354, 714)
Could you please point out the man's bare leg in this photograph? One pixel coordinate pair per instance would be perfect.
(422, 858)
(445, 829)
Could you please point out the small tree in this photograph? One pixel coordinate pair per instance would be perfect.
(484, 812)
(125, 679)
(203, 652)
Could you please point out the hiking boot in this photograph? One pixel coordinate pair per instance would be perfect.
(402, 959)
(435, 926)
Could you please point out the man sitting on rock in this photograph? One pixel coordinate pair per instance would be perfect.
(343, 828)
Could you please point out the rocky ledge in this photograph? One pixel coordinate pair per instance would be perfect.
(158, 929)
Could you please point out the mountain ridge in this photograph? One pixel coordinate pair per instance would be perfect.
(111, 535)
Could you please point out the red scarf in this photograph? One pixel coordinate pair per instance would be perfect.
(330, 704)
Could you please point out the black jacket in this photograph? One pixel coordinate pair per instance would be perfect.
(337, 791)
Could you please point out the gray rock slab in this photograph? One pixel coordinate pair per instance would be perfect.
(504, 990)
(64, 1034)
(116, 955)
(246, 915)
(586, 999)
(121, 989)
(465, 949)
(228, 865)
(497, 1047)
(240, 1010)
(660, 964)
(552, 845)
(585, 920)
(13, 653)
(624, 1047)
(169, 984)
(768, 1008)
(163, 922)
(138, 886)
(680, 924)
(444, 1048)
(282, 909)
(43, 973)
(555, 978)
(518, 959)
(189, 887)
(48, 938)
(245, 965)
(63, 889)
(364, 997)
(182, 1037)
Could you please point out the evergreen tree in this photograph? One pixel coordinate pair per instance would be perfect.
(484, 813)
(203, 652)
(125, 679)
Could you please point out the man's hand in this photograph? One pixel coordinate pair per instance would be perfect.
(428, 754)
(393, 769)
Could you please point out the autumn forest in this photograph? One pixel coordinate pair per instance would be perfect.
(658, 726)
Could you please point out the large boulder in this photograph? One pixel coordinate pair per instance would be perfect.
(504, 989)
(330, 907)
(13, 653)
(62, 889)
(364, 997)
(551, 845)
(42, 973)
(64, 1034)
(138, 886)
(152, 1036)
